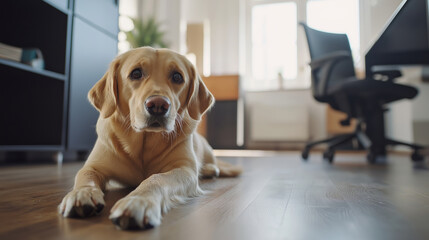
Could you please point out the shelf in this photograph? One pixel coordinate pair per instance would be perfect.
(31, 148)
(28, 68)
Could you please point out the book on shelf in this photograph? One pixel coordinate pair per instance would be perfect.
(10, 52)
(29, 56)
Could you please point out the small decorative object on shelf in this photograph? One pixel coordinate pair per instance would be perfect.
(33, 57)
(280, 80)
(29, 56)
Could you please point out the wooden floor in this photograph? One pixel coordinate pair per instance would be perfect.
(278, 197)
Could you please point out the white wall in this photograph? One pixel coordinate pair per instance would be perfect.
(223, 19)
(168, 13)
(195, 11)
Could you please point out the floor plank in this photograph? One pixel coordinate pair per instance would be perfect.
(278, 197)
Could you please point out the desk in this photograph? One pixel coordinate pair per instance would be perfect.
(219, 125)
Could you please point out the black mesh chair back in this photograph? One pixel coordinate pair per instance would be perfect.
(321, 44)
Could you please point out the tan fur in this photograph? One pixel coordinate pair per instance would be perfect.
(163, 165)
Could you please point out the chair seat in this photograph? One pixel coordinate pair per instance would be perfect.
(380, 91)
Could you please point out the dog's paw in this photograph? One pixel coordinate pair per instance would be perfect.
(82, 202)
(209, 171)
(136, 212)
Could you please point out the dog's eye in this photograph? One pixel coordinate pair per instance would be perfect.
(177, 78)
(136, 74)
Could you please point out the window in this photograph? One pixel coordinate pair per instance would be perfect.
(276, 55)
(274, 30)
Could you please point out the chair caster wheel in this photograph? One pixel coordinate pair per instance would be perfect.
(304, 154)
(417, 157)
(328, 155)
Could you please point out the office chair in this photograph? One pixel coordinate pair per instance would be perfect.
(334, 82)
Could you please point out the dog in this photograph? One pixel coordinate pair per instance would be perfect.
(150, 103)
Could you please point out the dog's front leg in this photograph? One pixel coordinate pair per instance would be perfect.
(86, 198)
(142, 208)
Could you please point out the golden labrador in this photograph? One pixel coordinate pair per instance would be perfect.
(150, 102)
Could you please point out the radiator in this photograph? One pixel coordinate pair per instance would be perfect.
(279, 122)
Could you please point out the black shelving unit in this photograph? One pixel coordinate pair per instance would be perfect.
(47, 109)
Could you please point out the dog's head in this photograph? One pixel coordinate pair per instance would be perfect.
(153, 88)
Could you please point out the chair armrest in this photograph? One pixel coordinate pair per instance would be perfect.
(386, 75)
(329, 58)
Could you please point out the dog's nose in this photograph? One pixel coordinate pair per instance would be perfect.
(157, 105)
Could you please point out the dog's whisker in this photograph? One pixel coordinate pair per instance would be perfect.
(179, 121)
(185, 123)
(127, 123)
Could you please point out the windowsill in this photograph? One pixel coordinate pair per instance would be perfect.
(278, 90)
(286, 89)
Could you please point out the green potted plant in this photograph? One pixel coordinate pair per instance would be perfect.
(146, 33)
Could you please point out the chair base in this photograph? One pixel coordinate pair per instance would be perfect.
(369, 133)
(376, 151)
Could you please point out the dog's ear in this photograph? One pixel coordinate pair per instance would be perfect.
(200, 98)
(104, 96)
